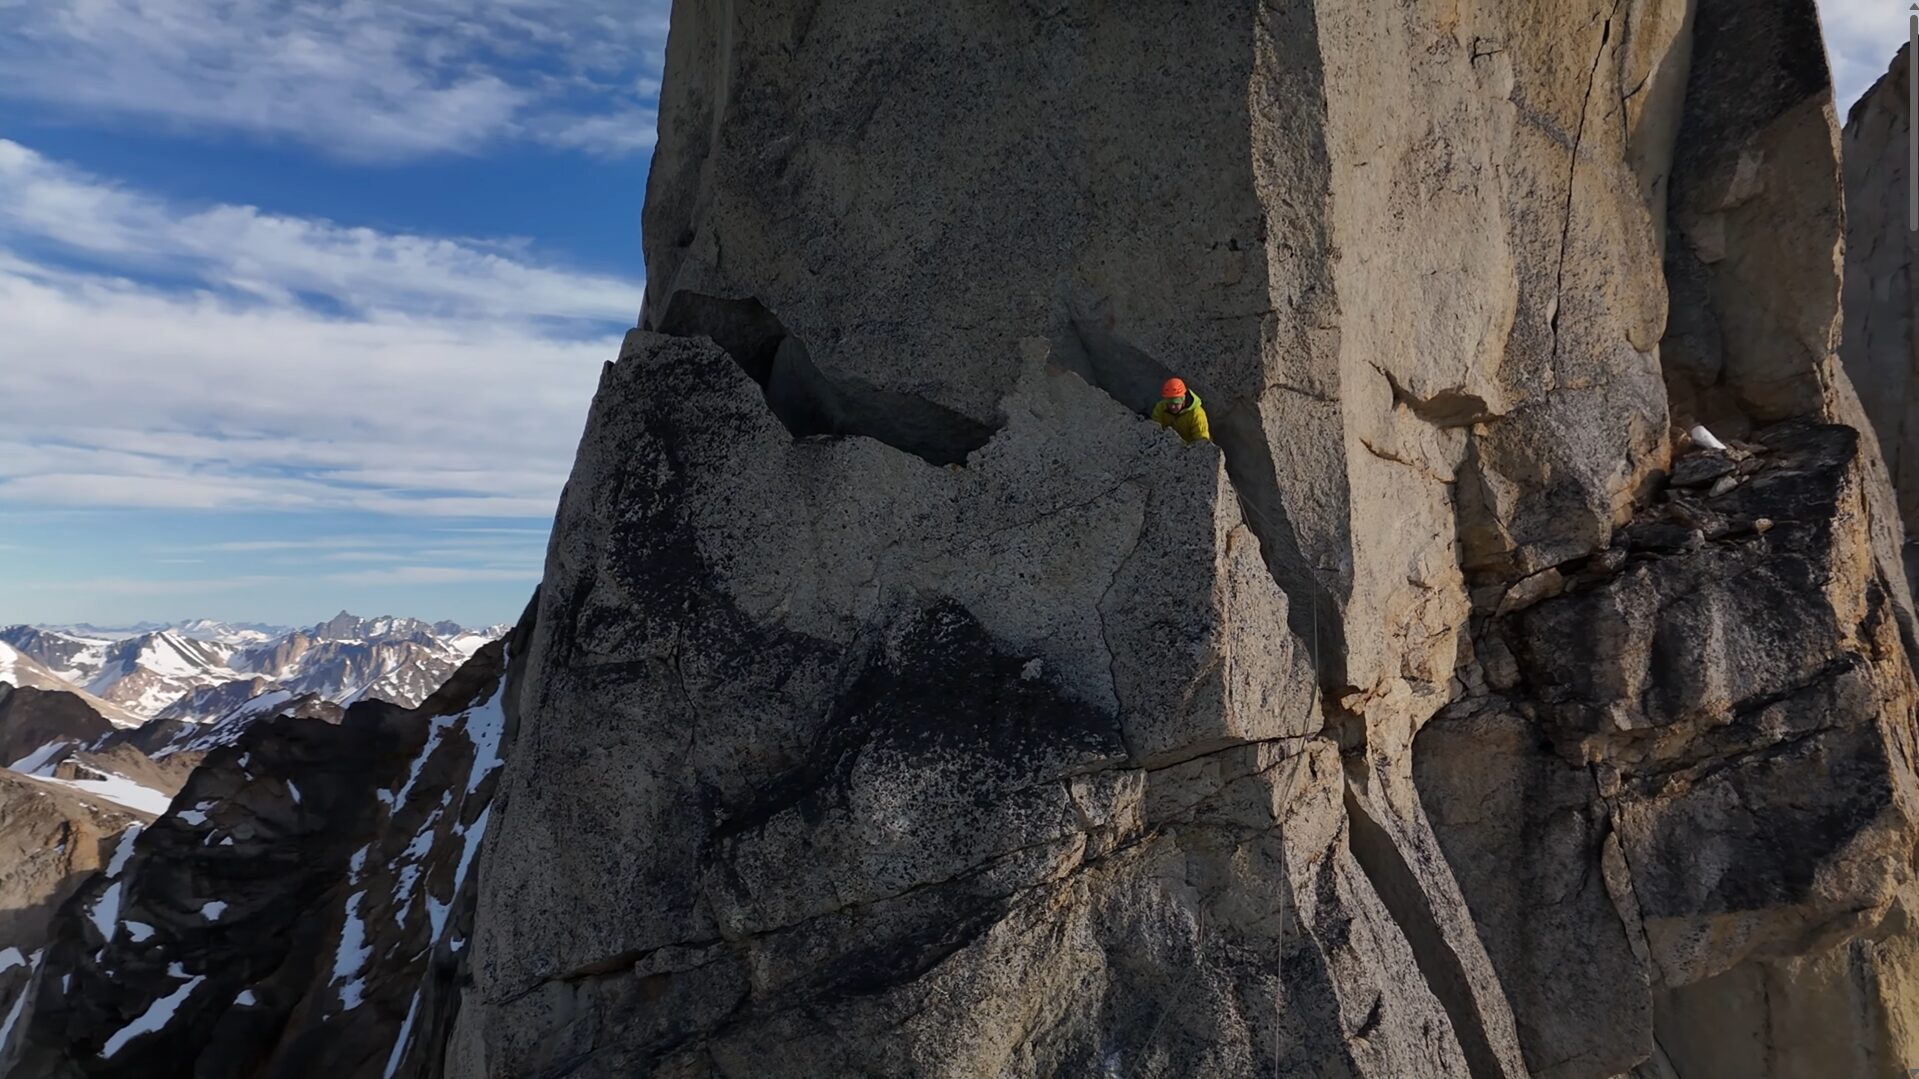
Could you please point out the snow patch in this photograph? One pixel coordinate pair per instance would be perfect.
(119, 790)
(211, 911)
(293, 792)
(124, 851)
(19, 1005)
(484, 725)
(471, 835)
(138, 932)
(352, 954)
(11, 958)
(436, 730)
(246, 999)
(106, 911)
(406, 1035)
(154, 1018)
(192, 816)
(33, 762)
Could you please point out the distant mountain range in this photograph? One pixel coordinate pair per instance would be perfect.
(201, 671)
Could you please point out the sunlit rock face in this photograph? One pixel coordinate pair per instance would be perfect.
(904, 703)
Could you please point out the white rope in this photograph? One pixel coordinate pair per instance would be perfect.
(1279, 829)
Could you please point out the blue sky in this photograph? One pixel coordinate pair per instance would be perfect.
(302, 304)
(302, 301)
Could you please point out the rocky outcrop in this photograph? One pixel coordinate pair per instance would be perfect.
(302, 909)
(53, 835)
(52, 840)
(216, 700)
(17, 669)
(58, 832)
(33, 719)
(166, 739)
(1688, 757)
(1453, 714)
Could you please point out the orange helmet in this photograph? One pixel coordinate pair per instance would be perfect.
(1173, 388)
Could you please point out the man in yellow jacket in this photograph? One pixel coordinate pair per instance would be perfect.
(1179, 409)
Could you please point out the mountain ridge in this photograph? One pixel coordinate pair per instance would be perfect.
(199, 669)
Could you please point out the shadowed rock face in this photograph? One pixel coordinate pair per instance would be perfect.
(34, 718)
(1879, 347)
(1704, 716)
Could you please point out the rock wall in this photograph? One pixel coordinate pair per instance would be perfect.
(902, 702)
(1879, 345)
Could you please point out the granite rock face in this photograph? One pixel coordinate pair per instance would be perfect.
(1879, 349)
(902, 702)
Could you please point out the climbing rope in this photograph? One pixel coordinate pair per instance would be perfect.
(1199, 941)
(1285, 903)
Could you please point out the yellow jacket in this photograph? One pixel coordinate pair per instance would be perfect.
(1190, 421)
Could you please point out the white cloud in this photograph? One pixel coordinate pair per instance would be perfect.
(360, 79)
(411, 575)
(1861, 38)
(244, 251)
(454, 385)
(317, 543)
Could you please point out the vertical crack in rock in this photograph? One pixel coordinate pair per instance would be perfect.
(1132, 376)
(1310, 611)
(1572, 179)
(1405, 898)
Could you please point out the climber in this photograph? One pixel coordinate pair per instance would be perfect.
(1179, 409)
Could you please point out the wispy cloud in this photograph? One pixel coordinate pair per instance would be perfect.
(394, 79)
(314, 543)
(413, 575)
(130, 586)
(242, 251)
(439, 377)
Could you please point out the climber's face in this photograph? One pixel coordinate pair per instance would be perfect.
(1176, 404)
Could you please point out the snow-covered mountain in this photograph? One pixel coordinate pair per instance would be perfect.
(236, 633)
(73, 657)
(18, 668)
(144, 674)
(202, 669)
